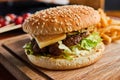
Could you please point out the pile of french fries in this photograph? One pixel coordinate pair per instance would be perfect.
(108, 28)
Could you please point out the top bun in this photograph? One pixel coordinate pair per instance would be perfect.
(61, 19)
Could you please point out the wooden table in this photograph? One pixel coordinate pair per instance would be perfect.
(4, 74)
(113, 13)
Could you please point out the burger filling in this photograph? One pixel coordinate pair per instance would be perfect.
(75, 44)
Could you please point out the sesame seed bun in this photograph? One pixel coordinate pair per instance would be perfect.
(64, 64)
(62, 19)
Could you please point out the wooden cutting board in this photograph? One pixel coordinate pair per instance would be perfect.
(107, 68)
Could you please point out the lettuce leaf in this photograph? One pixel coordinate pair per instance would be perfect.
(28, 48)
(91, 41)
(82, 47)
(68, 57)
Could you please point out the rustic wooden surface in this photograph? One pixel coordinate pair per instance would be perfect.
(113, 13)
(93, 3)
(19, 65)
(107, 68)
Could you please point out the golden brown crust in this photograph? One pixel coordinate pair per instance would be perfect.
(61, 19)
(64, 64)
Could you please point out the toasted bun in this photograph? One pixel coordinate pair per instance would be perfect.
(64, 64)
(61, 19)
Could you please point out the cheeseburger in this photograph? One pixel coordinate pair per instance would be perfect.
(64, 37)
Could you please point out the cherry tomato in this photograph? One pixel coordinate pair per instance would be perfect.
(2, 22)
(10, 17)
(19, 20)
(26, 15)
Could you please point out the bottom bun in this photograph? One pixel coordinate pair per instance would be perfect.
(64, 64)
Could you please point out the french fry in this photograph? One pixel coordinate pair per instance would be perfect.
(115, 27)
(116, 38)
(115, 22)
(108, 28)
(114, 35)
(106, 39)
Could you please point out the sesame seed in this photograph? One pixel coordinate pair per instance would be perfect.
(65, 21)
(61, 22)
(52, 20)
(77, 24)
(38, 23)
(32, 23)
(44, 16)
(37, 27)
(70, 28)
(43, 25)
(68, 24)
(55, 29)
(36, 20)
(56, 20)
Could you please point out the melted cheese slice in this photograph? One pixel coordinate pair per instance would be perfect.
(46, 40)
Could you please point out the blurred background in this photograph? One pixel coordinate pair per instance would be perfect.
(22, 6)
(112, 4)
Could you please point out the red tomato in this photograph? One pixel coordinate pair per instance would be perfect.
(2, 22)
(10, 17)
(19, 20)
(26, 15)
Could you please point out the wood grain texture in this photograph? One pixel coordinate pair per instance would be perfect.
(113, 13)
(19, 65)
(107, 68)
(93, 3)
(15, 65)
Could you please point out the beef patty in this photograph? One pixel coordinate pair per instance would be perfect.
(53, 48)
